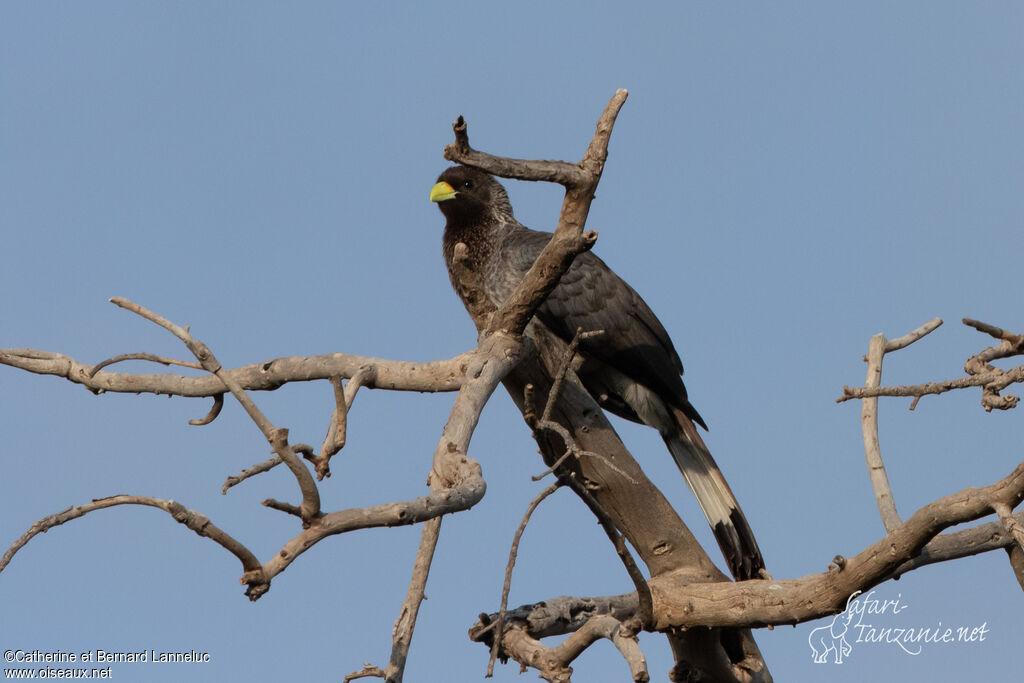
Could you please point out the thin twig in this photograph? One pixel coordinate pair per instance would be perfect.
(1004, 377)
(141, 356)
(507, 586)
(195, 521)
(572, 449)
(564, 366)
(258, 468)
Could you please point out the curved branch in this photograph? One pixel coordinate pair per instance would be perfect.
(218, 405)
(195, 521)
(142, 356)
(877, 348)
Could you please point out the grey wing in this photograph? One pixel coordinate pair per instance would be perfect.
(592, 297)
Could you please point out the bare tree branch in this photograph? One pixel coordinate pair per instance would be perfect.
(680, 603)
(367, 671)
(218, 405)
(954, 545)
(981, 374)
(142, 356)
(980, 365)
(258, 468)
(434, 376)
(553, 662)
(406, 622)
(278, 438)
(499, 624)
(195, 521)
(877, 348)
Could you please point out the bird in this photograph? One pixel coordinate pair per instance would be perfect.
(632, 369)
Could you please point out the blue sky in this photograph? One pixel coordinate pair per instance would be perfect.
(783, 183)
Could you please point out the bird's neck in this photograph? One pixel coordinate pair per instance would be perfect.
(480, 240)
(470, 268)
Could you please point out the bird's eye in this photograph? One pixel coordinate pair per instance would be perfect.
(468, 184)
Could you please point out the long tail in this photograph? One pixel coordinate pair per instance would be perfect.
(716, 499)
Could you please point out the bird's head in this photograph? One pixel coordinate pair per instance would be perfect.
(468, 196)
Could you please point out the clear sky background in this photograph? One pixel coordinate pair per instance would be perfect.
(783, 183)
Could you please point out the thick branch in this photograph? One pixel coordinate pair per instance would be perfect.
(565, 614)
(393, 375)
(679, 603)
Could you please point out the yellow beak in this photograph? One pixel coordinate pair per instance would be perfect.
(442, 192)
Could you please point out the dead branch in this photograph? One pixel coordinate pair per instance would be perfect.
(553, 662)
(258, 468)
(954, 545)
(499, 624)
(877, 348)
(980, 365)
(367, 671)
(434, 376)
(218, 405)
(496, 355)
(405, 624)
(980, 374)
(142, 356)
(195, 521)
(680, 603)
(558, 616)
(337, 430)
(278, 438)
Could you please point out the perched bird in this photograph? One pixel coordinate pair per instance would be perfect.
(631, 369)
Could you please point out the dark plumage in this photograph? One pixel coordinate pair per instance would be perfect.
(632, 369)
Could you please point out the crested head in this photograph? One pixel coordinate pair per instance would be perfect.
(468, 196)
